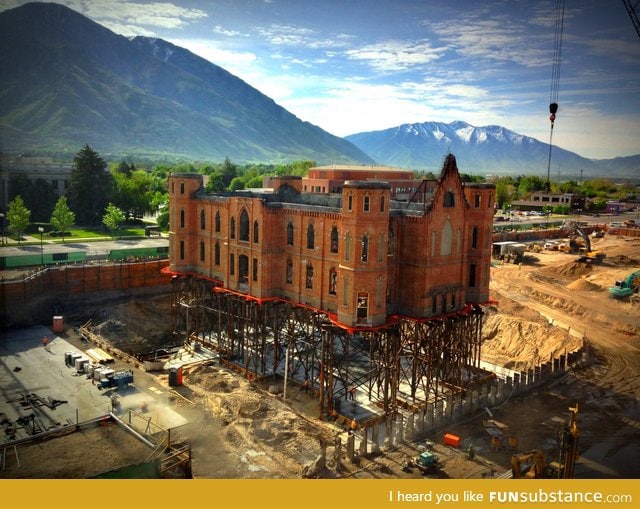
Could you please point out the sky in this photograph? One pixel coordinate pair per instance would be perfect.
(351, 66)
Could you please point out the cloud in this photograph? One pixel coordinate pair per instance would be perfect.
(228, 33)
(210, 50)
(497, 39)
(130, 16)
(395, 55)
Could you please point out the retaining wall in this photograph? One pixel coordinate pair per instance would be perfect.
(40, 295)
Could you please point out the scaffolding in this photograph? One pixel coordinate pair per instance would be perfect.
(401, 366)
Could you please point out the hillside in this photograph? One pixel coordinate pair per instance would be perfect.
(68, 81)
(488, 149)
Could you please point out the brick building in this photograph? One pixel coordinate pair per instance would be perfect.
(331, 179)
(358, 255)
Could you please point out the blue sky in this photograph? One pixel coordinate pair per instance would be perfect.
(362, 65)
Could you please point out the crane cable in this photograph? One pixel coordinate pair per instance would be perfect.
(555, 78)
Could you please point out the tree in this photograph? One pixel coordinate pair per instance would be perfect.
(18, 216)
(39, 196)
(229, 171)
(113, 218)
(90, 186)
(215, 184)
(62, 217)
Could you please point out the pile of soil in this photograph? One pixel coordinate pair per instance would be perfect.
(584, 285)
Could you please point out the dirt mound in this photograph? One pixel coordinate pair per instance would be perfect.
(572, 269)
(583, 285)
(622, 261)
(521, 341)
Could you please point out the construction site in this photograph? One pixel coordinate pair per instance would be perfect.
(148, 367)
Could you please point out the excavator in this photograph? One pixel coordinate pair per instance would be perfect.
(584, 247)
(626, 287)
(532, 464)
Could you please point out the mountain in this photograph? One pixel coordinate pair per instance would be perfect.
(66, 81)
(489, 149)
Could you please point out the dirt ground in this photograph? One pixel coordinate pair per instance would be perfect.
(546, 306)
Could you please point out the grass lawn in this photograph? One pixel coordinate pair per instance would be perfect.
(97, 234)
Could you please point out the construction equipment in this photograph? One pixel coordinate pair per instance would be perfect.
(627, 287)
(583, 247)
(528, 465)
(427, 462)
(532, 465)
(568, 442)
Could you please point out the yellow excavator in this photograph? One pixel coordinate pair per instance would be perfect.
(532, 464)
(586, 254)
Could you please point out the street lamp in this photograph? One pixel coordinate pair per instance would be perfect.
(41, 230)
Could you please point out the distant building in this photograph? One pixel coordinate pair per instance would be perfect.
(55, 173)
(540, 201)
(344, 246)
(615, 207)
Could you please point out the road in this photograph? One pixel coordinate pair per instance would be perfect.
(94, 249)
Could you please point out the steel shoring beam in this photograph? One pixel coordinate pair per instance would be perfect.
(430, 358)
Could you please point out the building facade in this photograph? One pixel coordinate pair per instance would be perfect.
(33, 168)
(358, 254)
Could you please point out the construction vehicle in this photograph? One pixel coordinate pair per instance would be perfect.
(627, 287)
(532, 465)
(426, 462)
(567, 437)
(579, 243)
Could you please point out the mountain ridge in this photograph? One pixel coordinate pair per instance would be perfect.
(481, 149)
(68, 81)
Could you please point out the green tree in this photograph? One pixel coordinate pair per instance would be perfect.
(504, 192)
(62, 217)
(39, 196)
(229, 171)
(113, 218)
(18, 216)
(90, 186)
(215, 184)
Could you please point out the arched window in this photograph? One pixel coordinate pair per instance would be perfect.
(243, 268)
(309, 278)
(181, 187)
(366, 204)
(347, 247)
(182, 249)
(311, 237)
(333, 280)
(290, 234)
(289, 279)
(334, 239)
(447, 239)
(349, 202)
(217, 222)
(476, 200)
(364, 254)
(203, 219)
(232, 228)
(449, 199)
(472, 275)
(217, 254)
(382, 203)
(256, 232)
(232, 264)
(182, 218)
(255, 269)
(380, 248)
(202, 250)
(390, 241)
(474, 238)
(244, 226)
